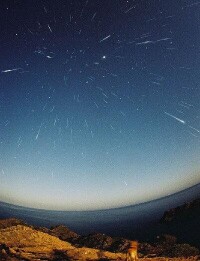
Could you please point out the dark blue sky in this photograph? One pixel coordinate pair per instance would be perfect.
(99, 101)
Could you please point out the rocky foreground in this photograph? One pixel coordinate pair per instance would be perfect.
(19, 241)
(24, 243)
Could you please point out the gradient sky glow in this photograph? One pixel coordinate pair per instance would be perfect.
(99, 101)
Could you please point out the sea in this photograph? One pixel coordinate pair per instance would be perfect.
(128, 222)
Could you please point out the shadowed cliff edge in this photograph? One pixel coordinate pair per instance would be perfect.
(21, 241)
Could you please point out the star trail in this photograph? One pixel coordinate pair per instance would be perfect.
(99, 101)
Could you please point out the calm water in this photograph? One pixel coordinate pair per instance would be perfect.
(124, 221)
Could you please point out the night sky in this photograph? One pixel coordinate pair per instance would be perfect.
(99, 101)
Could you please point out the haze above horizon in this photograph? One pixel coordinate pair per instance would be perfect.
(99, 103)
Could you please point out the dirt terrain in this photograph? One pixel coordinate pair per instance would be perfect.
(24, 243)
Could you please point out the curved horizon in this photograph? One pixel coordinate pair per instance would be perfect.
(99, 103)
(102, 209)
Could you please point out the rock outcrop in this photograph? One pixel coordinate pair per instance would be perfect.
(19, 241)
(186, 212)
(5, 223)
(184, 222)
(25, 243)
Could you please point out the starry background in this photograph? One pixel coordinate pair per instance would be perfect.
(99, 101)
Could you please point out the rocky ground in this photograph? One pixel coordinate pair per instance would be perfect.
(24, 243)
(19, 241)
